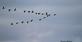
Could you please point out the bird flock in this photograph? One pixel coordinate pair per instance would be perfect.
(36, 13)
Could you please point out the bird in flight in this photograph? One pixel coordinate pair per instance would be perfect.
(31, 20)
(32, 11)
(12, 24)
(27, 22)
(24, 11)
(3, 7)
(16, 22)
(9, 10)
(38, 13)
(42, 13)
(54, 14)
(22, 22)
(28, 11)
(44, 17)
(15, 9)
(48, 15)
(40, 19)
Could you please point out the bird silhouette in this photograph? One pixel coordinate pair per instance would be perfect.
(42, 13)
(32, 11)
(11, 24)
(28, 11)
(38, 13)
(31, 20)
(54, 14)
(40, 19)
(3, 7)
(27, 22)
(22, 22)
(16, 22)
(15, 9)
(44, 17)
(24, 11)
(48, 15)
(9, 10)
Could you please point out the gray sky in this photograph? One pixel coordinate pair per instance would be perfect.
(66, 25)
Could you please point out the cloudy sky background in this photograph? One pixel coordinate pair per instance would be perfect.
(66, 25)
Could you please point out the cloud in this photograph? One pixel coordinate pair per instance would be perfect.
(66, 25)
(7, 34)
(41, 2)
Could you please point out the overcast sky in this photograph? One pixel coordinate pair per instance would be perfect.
(66, 25)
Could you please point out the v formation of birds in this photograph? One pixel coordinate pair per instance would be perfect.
(36, 13)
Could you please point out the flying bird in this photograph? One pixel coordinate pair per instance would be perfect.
(22, 22)
(27, 22)
(24, 11)
(42, 13)
(15, 9)
(40, 19)
(54, 14)
(3, 7)
(44, 17)
(11, 24)
(28, 11)
(32, 11)
(16, 22)
(38, 13)
(9, 10)
(48, 15)
(31, 20)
